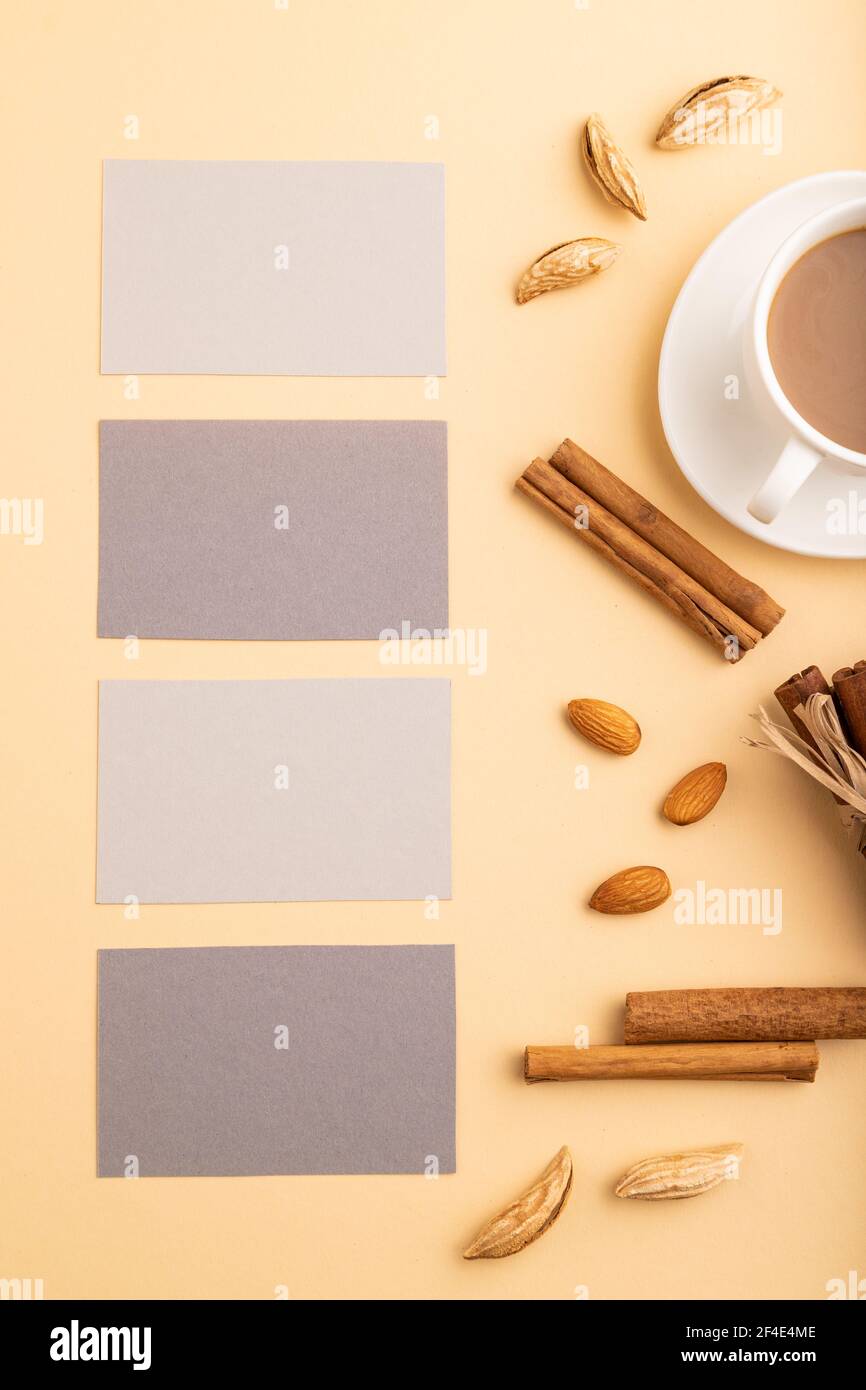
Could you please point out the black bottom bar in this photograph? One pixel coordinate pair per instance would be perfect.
(155, 1337)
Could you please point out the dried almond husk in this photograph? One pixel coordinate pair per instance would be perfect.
(565, 265)
(529, 1217)
(674, 1176)
(611, 168)
(705, 109)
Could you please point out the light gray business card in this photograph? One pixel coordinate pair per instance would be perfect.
(258, 529)
(274, 790)
(230, 1061)
(272, 267)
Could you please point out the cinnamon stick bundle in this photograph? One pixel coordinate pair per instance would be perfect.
(795, 691)
(849, 699)
(761, 1015)
(741, 595)
(665, 561)
(717, 1061)
(850, 688)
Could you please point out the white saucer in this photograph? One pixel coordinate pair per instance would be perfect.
(723, 446)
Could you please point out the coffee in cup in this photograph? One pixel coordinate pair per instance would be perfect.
(805, 351)
(816, 335)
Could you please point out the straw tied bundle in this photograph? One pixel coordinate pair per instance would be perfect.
(828, 737)
(664, 560)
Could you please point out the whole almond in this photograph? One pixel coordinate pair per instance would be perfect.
(675, 1176)
(529, 1217)
(606, 725)
(612, 170)
(705, 109)
(695, 795)
(632, 890)
(566, 265)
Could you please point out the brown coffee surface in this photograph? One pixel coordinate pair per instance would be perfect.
(816, 335)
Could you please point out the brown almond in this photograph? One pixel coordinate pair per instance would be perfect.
(632, 890)
(695, 795)
(606, 725)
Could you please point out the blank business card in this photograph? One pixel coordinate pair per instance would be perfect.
(228, 1061)
(272, 529)
(274, 791)
(272, 267)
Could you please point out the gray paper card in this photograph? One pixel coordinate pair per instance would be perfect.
(274, 791)
(272, 528)
(230, 1061)
(270, 268)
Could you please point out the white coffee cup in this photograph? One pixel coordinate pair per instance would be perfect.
(806, 446)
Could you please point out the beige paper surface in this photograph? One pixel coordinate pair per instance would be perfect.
(273, 267)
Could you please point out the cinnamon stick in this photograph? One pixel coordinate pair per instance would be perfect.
(850, 687)
(604, 531)
(738, 593)
(796, 691)
(717, 1061)
(704, 1015)
(602, 548)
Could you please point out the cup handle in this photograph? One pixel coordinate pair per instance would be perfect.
(794, 465)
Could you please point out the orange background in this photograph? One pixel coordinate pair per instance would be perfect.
(510, 84)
